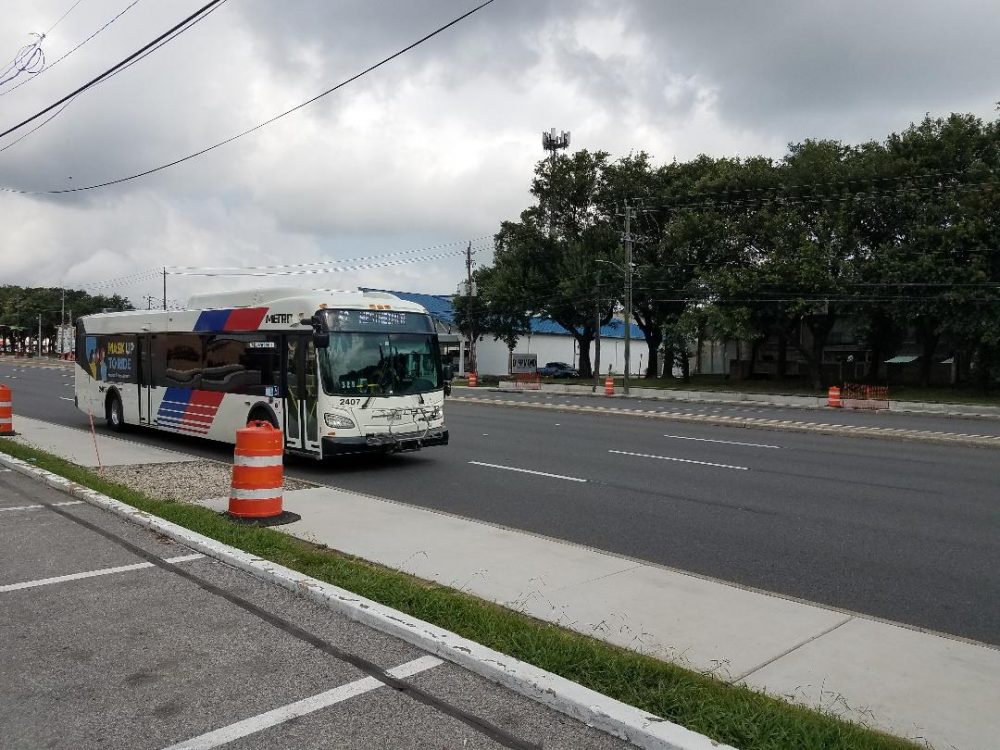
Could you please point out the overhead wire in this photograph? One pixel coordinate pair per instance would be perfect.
(148, 52)
(94, 81)
(260, 125)
(74, 49)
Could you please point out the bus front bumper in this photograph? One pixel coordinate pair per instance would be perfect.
(384, 443)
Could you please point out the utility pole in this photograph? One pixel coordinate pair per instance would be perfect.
(39, 334)
(164, 287)
(62, 317)
(470, 294)
(149, 301)
(597, 336)
(628, 294)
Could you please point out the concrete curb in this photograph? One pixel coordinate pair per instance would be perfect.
(594, 709)
(755, 423)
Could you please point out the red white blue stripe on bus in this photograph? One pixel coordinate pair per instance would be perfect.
(238, 319)
(188, 411)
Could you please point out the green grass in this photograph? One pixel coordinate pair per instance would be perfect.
(737, 716)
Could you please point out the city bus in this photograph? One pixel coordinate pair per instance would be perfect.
(340, 372)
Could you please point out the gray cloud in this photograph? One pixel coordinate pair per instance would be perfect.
(438, 145)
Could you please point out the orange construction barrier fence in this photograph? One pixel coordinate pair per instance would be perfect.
(258, 475)
(6, 411)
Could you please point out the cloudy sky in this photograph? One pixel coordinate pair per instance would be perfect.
(436, 148)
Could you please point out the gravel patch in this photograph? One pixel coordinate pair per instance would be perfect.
(188, 481)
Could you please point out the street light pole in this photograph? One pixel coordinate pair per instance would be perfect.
(628, 296)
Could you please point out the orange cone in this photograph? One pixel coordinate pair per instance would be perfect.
(609, 386)
(473, 379)
(255, 496)
(833, 397)
(6, 412)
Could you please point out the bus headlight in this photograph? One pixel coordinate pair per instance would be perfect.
(339, 421)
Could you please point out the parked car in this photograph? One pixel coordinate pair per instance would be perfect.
(558, 370)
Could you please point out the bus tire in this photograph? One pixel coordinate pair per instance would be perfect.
(263, 413)
(113, 412)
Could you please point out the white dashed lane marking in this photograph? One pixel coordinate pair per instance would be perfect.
(681, 460)
(725, 442)
(528, 471)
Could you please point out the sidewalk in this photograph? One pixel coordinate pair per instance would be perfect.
(910, 683)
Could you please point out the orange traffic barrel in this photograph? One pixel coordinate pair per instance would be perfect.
(255, 495)
(473, 380)
(6, 412)
(833, 397)
(609, 386)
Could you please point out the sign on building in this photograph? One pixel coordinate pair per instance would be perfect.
(521, 364)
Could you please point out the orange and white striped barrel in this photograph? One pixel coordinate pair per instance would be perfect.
(473, 379)
(6, 411)
(833, 397)
(609, 386)
(258, 472)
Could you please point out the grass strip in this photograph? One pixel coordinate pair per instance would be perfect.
(734, 715)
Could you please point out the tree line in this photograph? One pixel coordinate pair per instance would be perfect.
(898, 240)
(20, 308)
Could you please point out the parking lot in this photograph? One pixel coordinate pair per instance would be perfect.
(115, 637)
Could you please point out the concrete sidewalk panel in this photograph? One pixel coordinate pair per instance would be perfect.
(914, 684)
(707, 625)
(499, 564)
(78, 445)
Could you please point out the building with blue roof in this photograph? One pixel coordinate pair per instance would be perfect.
(548, 340)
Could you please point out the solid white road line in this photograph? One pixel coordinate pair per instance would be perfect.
(528, 471)
(92, 573)
(65, 398)
(300, 708)
(35, 507)
(725, 442)
(680, 460)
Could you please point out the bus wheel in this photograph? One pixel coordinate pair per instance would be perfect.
(262, 414)
(114, 414)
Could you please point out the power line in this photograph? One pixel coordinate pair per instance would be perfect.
(172, 269)
(257, 127)
(63, 57)
(331, 269)
(113, 68)
(148, 52)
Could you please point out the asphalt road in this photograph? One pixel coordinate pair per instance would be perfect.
(115, 637)
(900, 530)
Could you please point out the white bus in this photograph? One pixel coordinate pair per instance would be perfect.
(338, 372)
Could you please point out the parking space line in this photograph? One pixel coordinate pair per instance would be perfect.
(681, 460)
(305, 706)
(92, 573)
(528, 471)
(725, 442)
(35, 507)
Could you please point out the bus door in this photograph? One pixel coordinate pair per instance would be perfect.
(145, 377)
(301, 394)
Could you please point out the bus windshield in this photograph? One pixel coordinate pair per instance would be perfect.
(380, 364)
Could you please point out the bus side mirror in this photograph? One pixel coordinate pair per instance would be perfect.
(321, 340)
(447, 373)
